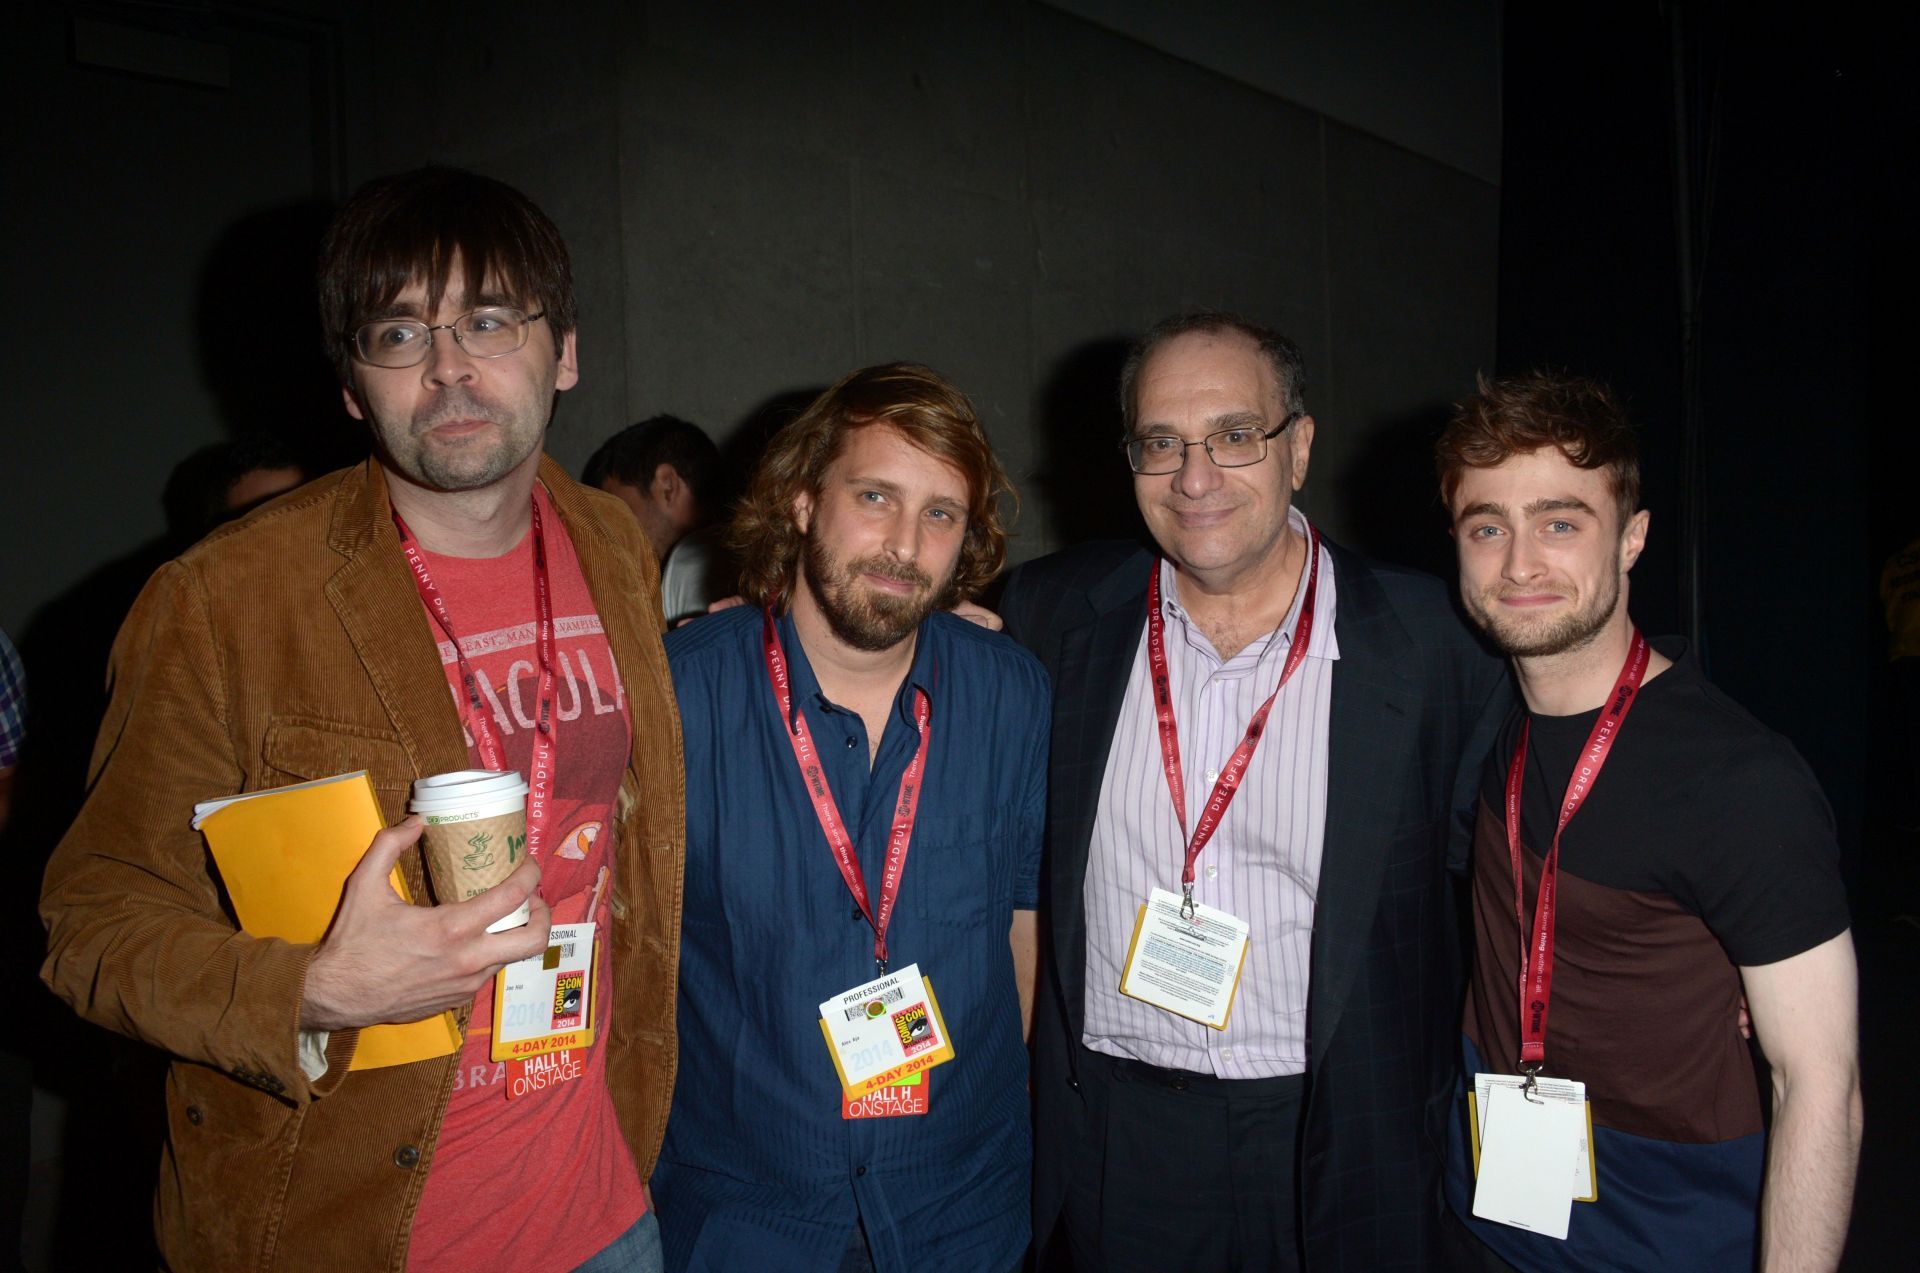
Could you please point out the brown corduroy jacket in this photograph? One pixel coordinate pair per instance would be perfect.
(292, 646)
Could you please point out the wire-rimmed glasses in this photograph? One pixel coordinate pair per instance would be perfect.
(492, 331)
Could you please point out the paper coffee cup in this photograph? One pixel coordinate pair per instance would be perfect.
(476, 834)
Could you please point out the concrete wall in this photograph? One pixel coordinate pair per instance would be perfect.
(760, 197)
(1423, 74)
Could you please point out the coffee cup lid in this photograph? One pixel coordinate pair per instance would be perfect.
(465, 798)
(455, 777)
(468, 784)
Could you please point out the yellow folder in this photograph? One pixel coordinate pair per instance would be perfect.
(284, 856)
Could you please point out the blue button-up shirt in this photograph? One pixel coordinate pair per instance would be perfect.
(759, 1170)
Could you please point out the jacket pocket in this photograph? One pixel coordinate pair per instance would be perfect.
(305, 748)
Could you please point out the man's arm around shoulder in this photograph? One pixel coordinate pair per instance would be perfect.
(1805, 1014)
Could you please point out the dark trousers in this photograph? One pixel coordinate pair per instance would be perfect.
(1183, 1171)
(1466, 1253)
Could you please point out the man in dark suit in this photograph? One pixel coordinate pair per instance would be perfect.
(1267, 1090)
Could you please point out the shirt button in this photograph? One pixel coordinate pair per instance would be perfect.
(860, 1171)
(1226, 1054)
(857, 912)
(406, 1156)
(851, 743)
(1213, 872)
(1213, 775)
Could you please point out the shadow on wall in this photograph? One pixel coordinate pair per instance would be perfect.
(1387, 496)
(256, 318)
(1081, 474)
(741, 448)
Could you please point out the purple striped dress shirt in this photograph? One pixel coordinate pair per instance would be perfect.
(1263, 863)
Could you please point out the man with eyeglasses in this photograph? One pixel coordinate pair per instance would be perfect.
(455, 602)
(1242, 1053)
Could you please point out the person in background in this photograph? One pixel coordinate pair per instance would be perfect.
(668, 472)
(225, 480)
(13, 721)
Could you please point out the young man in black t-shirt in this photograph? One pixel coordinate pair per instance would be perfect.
(1693, 859)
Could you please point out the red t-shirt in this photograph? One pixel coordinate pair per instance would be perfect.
(544, 1180)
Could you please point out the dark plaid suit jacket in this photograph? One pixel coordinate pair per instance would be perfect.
(1415, 703)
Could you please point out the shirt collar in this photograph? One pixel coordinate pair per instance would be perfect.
(1321, 644)
(924, 674)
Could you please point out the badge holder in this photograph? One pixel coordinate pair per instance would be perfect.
(882, 1036)
(1185, 959)
(1532, 1143)
(546, 1009)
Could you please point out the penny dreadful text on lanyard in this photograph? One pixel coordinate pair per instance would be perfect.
(1236, 766)
(475, 716)
(1536, 954)
(905, 808)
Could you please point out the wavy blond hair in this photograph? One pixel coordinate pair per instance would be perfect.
(930, 413)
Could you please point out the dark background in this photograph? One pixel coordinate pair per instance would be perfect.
(1705, 204)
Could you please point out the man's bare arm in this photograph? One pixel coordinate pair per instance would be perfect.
(1805, 1012)
(1024, 937)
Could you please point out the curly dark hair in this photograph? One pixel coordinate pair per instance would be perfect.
(925, 408)
(1515, 415)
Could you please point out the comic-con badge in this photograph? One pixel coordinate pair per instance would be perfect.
(544, 1003)
(885, 1031)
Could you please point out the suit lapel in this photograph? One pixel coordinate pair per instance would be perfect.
(1371, 719)
(1090, 684)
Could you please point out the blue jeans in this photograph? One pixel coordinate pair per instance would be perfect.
(635, 1251)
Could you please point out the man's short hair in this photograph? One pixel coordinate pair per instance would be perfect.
(409, 227)
(1289, 368)
(196, 492)
(1517, 415)
(633, 455)
(930, 413)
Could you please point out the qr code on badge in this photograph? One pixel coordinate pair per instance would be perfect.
(915, 1027)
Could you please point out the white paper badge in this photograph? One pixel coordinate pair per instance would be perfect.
(542, 1003)
(1526, 1156)
(1584, 1171)
(1189, 967)
(885, 1030)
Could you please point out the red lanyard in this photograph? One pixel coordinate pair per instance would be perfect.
(476, 718)
(1536, 956)
(1236, 766)
(905, 809)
